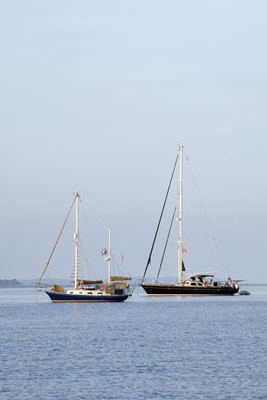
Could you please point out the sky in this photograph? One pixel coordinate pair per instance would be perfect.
(96, 97)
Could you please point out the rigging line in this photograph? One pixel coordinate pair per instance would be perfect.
(79, 267)
(52, 252)
(51, 279)
(117, 265)
(166, 243)
(151, 251)
(86, 219)
(88, 263)
(224, 267)
(89, 238)
(35, 297)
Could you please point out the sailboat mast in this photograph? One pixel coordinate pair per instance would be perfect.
(109, 253)
(180, 241)
(76, 242)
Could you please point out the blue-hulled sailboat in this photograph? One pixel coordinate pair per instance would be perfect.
(87, 291)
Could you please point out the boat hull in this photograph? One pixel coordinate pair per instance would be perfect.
(74, 298)
(176, 290)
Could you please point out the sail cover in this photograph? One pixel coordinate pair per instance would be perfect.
(83, 282)
(119, 278)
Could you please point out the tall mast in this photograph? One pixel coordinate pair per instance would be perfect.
(76, 242)
(180, 241)
(109, 253)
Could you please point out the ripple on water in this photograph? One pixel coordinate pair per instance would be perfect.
(142, 349)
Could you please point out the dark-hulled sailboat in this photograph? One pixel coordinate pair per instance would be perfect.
(199, 283)
(87, 291)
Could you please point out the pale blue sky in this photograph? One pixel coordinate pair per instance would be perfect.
(96, 96)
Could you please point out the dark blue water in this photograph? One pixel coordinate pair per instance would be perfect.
(145, 348)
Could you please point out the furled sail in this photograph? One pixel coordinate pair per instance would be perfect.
(119, 278)
(84, 282)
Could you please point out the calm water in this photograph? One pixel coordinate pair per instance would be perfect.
(145, 348)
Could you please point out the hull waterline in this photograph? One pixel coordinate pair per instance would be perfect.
(73, 298)
(176, 290)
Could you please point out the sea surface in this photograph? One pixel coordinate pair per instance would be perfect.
(144, 348)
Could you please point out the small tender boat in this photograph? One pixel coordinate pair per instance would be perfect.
(244, 293)
(87, 291)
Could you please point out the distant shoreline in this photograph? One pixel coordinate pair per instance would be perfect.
(10, 283)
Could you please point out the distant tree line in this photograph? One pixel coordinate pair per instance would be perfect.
(9, 282)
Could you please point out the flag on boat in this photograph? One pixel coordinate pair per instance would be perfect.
(122, 258)
(184, 250)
